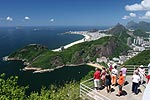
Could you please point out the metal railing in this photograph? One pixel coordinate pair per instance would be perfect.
(87, 91)
(131, 68)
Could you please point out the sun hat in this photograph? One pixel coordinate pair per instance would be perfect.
(141, 66)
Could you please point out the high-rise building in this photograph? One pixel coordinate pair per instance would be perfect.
(129, 42)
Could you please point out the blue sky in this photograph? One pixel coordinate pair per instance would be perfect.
(72, 12)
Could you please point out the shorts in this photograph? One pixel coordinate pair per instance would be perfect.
(107, 82)
(96, 83)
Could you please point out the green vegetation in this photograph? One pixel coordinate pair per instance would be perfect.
(40, 56)
(9, 90)
(68, 92)
(141, 59)
(29, 52)
(111, 46)
(140, 33)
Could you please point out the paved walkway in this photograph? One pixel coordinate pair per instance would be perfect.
(127, 90)
(96, 65)
(146, 95)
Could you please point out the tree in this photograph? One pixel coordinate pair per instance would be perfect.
(9, 90)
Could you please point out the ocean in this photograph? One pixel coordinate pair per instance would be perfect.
(13, 38)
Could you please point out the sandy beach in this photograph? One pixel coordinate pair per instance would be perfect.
(88, 36)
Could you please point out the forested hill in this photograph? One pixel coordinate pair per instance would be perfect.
(117, 30)
(39, 56)
(141, 59)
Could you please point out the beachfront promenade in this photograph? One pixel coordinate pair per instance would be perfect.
(88, 36)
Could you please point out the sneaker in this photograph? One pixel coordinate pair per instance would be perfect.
(107, 91)
(118, 95)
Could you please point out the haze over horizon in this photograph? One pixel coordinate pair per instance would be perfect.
(72, 12)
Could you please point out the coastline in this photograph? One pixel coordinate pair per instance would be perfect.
(40, 70)
(88, 36)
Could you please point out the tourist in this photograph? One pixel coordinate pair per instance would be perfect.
(97, 79)
(148, 68)
(120, 83)
(103, 74)
(136, 70)
(124, 71)
(142, 73)
(148, 77)
(110, 66)
(135, 82)
(114, 75)
(108, 81)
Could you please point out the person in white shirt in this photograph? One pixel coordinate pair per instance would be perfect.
(114, 75)
(135, 82)
(142, 73)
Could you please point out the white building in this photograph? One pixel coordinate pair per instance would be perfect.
(102, 59)
(139, 49)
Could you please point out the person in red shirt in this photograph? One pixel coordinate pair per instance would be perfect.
(148, 77)
(97, 79)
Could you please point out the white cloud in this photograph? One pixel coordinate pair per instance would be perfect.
(125, 17)
(144, 5)
(52, 20)
(129, 16)
(132, 15)
(146, 16)
(133, 7)
(9, 18)
(26, 18)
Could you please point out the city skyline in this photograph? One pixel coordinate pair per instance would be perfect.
(72, 12)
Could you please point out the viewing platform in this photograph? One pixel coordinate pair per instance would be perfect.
(87, 91)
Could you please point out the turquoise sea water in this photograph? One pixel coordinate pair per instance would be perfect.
(13, 38)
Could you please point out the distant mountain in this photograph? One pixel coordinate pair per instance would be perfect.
(142, 25)
(117, 30)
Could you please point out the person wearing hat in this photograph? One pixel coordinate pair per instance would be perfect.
(142, 73)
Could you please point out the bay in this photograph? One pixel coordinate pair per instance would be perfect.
(13, 38)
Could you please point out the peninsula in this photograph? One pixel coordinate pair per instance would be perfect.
(95, 45)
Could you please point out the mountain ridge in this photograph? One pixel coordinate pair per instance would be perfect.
(142, 25)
